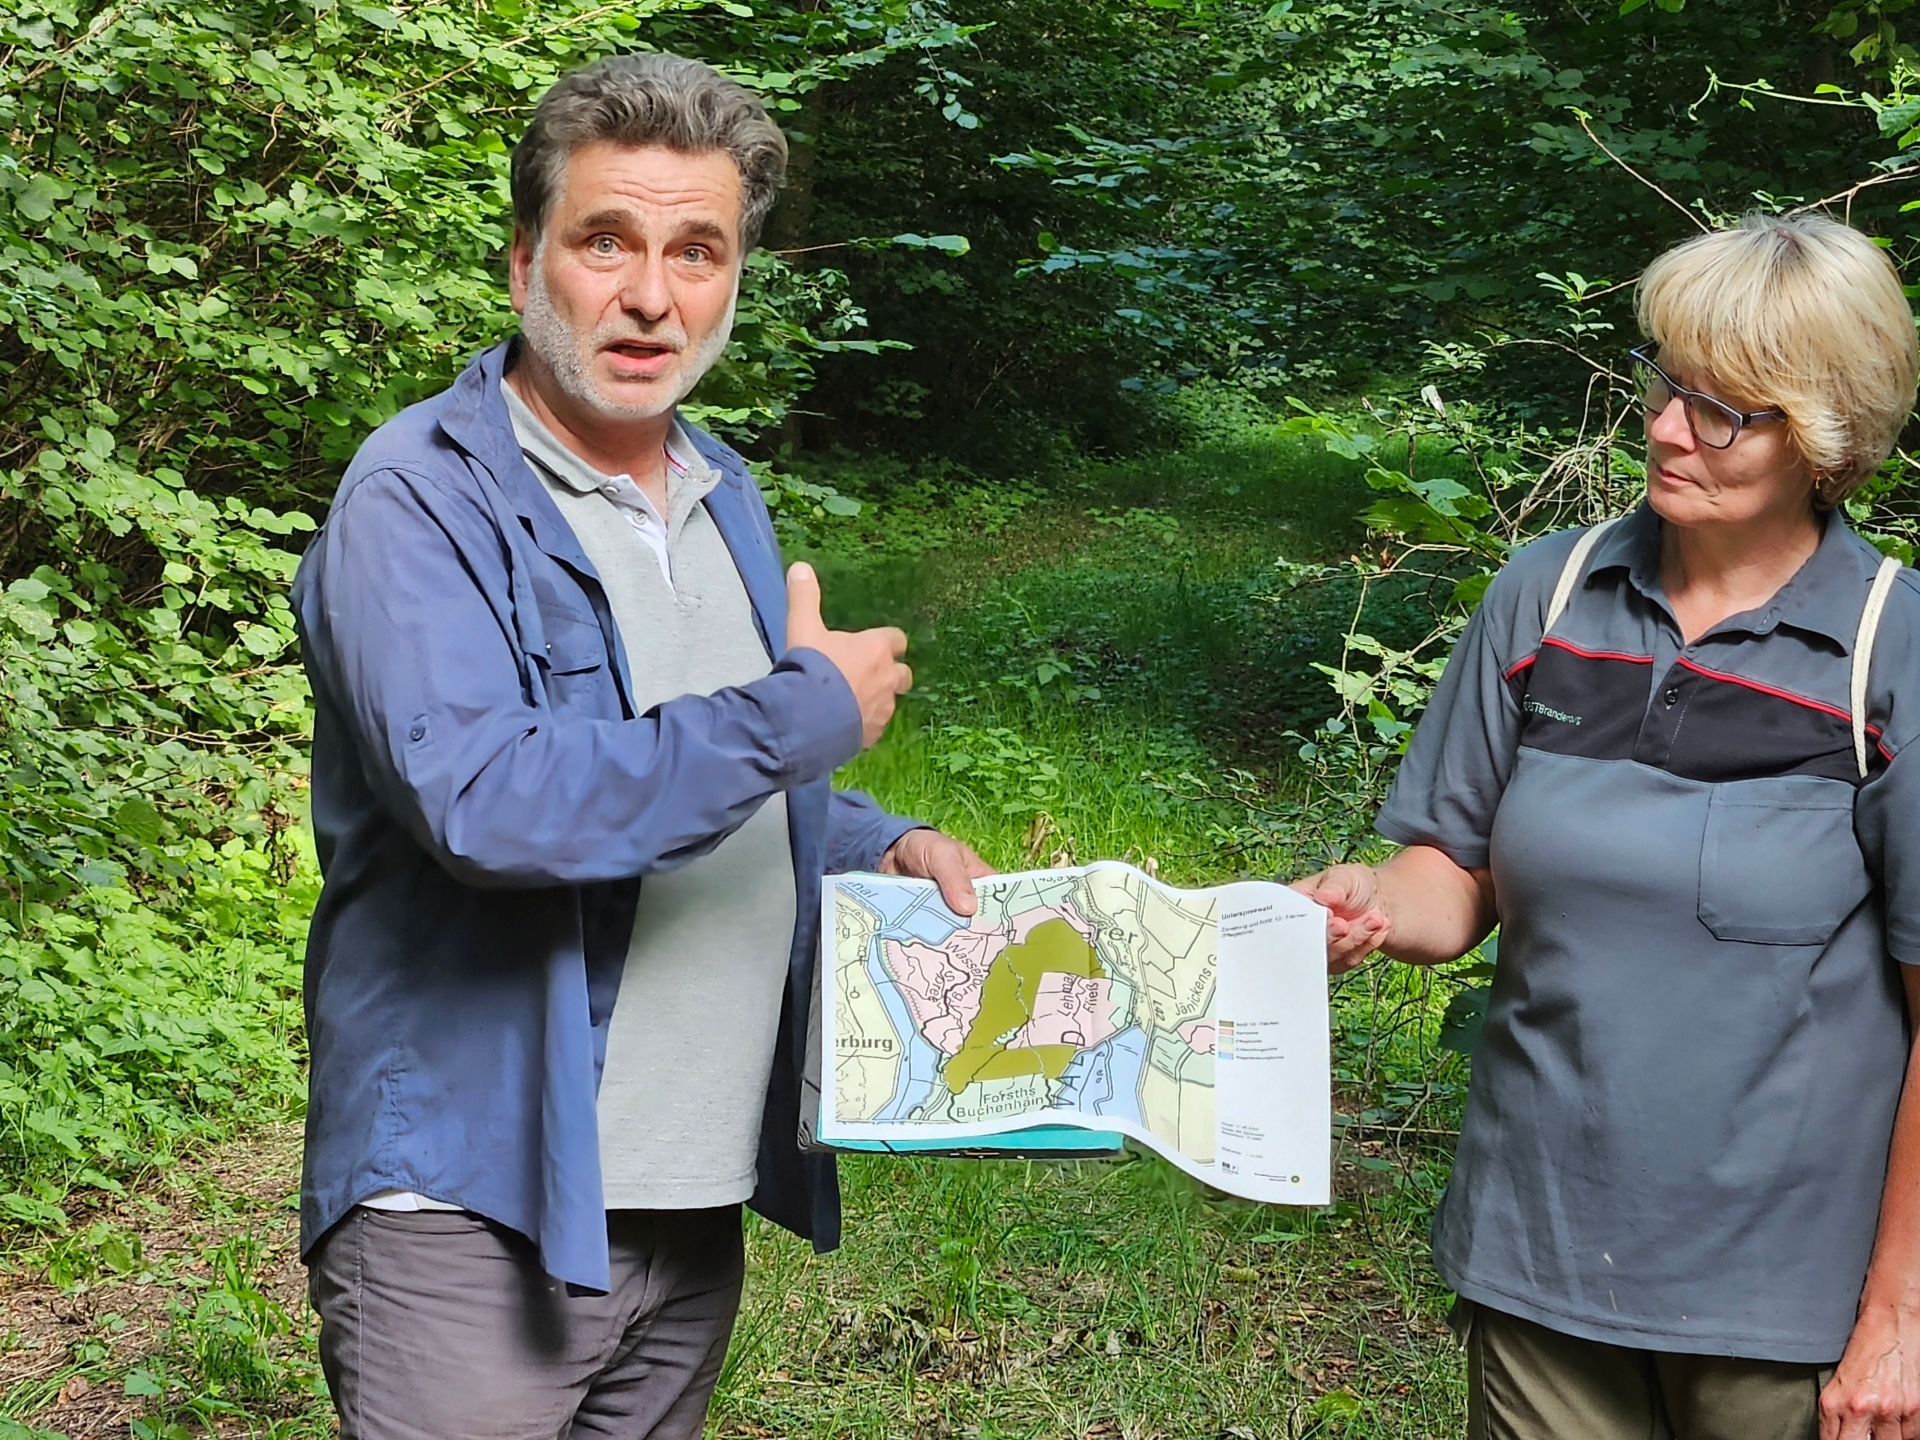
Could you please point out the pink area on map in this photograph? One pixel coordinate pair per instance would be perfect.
(942, 985)
(1068, 1010)
(1022, 925)
(1199, 1036)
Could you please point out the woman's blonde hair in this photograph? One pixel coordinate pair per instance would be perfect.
(1804, 313)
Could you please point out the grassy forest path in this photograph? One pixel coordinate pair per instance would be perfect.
(1106, 669)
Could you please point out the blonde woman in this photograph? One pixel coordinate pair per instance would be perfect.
(1670, 758)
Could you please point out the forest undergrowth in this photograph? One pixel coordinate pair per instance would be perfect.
(1111, 667)
(234, 238)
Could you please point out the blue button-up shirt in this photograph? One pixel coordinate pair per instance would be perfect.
(488, 803)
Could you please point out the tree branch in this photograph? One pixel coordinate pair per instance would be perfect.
(1705, 228)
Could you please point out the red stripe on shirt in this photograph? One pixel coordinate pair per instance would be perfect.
(1787, 695)
(1560, 644)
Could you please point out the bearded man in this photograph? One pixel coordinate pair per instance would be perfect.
(571, 785)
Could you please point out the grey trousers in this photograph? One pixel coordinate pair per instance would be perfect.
(439, 1325)
(1526, 1382)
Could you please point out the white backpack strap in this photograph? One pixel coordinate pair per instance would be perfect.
(1861, 661)
(1570, 572)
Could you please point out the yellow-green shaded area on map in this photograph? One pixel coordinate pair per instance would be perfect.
(1006, 1005)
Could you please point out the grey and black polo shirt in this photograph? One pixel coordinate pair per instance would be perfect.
(1677, 1128)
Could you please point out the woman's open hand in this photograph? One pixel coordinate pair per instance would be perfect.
(1419, 907)
(1875, 1390)
(1357, 920)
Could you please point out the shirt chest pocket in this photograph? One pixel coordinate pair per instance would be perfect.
(574, 657)
(1779, 864)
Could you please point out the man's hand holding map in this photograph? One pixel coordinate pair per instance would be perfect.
(1194, 1021)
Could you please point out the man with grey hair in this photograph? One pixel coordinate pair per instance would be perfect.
(571, 785)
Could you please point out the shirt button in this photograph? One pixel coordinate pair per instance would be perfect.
(1671, 696)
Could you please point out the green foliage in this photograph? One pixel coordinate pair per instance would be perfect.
(131, 1023)
(1294, 197)
(1136, 1296)
(233, 239)
(1017, 1300)
(230, 1340)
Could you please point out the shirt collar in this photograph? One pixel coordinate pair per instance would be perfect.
(689, 476)
(1824, 596)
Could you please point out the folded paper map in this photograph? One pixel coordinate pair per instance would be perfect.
(1084, 1002)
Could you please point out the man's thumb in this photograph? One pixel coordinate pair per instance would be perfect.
(804, 624)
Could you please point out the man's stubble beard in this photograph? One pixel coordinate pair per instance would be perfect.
(568, 355)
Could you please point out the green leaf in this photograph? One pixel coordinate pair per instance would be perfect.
(36, 31)
(1894, 119)
(948, 244)
(38, 200)
(1469, 592)
(1465, 1014)
(32, 1210)
(11, 1429)
(119, 1252)
(1898, 547)
(143, 1384)
(1338, 1404)
(138, 819)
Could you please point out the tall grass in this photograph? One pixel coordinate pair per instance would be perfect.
(1107, 670)
(1113, 678)
(1106, 1299)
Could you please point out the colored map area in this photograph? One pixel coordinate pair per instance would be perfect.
(1084, 994)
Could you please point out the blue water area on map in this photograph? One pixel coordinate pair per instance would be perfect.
(922, 1070)
(1105, 1080)
(905, 913)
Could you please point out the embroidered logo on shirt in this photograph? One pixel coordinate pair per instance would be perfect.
(1548, 712)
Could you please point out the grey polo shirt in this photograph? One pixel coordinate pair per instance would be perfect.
(690, 1046)
(1677, 1129)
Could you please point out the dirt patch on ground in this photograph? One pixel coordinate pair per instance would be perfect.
(191, 1284)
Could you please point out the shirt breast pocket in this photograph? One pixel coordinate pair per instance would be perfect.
(1779, 864)
(574, 657)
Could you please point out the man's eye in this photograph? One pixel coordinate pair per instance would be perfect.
(604, 245)
(697, 254)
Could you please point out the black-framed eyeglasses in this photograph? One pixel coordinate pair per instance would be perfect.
(1714, 423)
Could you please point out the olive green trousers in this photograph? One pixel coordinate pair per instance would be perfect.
(1526, 1382)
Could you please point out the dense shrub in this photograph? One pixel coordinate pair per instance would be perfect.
(233, 239)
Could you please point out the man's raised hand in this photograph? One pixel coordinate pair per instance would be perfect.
(869, 659)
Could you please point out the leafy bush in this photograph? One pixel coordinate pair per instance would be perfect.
(233, 239)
